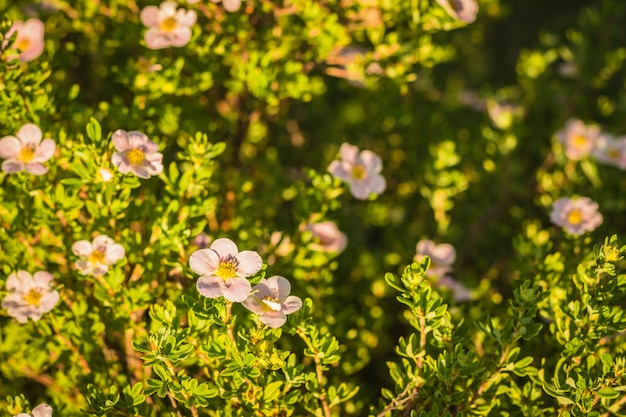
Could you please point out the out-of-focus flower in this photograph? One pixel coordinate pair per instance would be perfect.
(29, 41)
(229, 5)
(136, 154)
(360, 170)
(610, 150)
(97, 256)
(441, 256)
(502, 115)
(465, 10)
(327, 237)
(460, 292)
(42, 410)
(270, 299)
(29, 295)
(167, 26)
(578, 139)
(201, 241)
(224, 269)
(26, 151)
(576, 215)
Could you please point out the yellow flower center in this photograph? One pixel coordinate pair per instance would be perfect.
(169, 24)
(136, 156)
(96, 257)
(358, 172)
(22, 44)
(33, 297)
(226, 269)
(579, 141)
(575, 217)
(613, 153)
(269, 304)
(27, 153)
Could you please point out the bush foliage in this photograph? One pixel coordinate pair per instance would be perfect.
(495, 135)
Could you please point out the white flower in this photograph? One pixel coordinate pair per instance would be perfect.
(26, 151)
(30, 39)
(327, 237)
(270, 299)
(576, 216)
(136, 154)
(610, 150)
(167, 26)
(97, 256)
(29, 295)
(578, 139)
(441, 256)
(224, 269)
(360, 170)
(42, 410)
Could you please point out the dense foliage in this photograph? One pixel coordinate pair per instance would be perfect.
(312, 207)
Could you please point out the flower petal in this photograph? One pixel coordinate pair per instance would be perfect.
(280, 285)
(42, 410)
(204, 261)
(225, 247)
(337, 169)
(349, 153)
(249, 263)
(12, 165)
(43, 279)
(114, 253)
(48, 301)
(210, 287)
(120, 139)
(253, 304)
(150, 16)
(45, 150)
(291, 304)
(21, 281)
(273, 319)
(231, 5)
(237, 289)
(9, 147)
(371, 161)
(29, 134)
(36, 168)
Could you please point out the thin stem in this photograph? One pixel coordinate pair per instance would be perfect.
(319, 371)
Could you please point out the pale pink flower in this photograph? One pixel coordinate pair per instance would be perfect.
(201, 241)
(578, 139)
(224, 270)
(97, 256)
(29, 295)
(26, 151)
(360, 170)
(42, 410)
(29, 41)
(327, 237)
(270, 299)
(465, 10)
(229, 5)
(167, 26)
(441, 256)
(576, 215)
(611, 151)
(136, 154)
(460, 292)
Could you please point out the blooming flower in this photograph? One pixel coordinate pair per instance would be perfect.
(360, 170)
(229, 5)
(224, 269)
(42, 410)
(29, 296)
(26, 151)
(578, 139)
(327, 237)
(441, 256)
(166, 25)
(610, 150)
(465, 10)
(29, 41)
(270, 299)
(97, 256)
(577, 215)
(136, 154)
